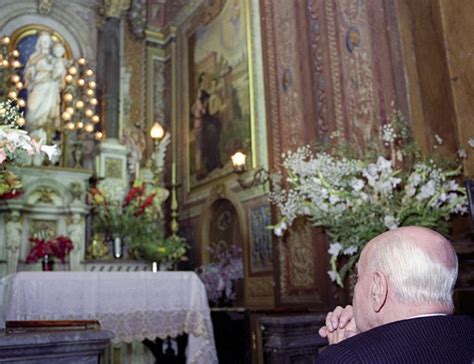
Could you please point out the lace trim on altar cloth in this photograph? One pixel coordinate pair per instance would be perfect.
(137, 326)
(132, 326)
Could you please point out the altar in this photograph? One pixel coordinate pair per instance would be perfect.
(132, 305)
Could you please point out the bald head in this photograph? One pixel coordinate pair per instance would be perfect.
(420, 264)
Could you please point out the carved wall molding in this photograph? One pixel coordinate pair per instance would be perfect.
(260, 287)
(358, 65)
(335, 65)
(319, 82)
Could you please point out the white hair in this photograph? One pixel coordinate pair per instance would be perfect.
(417, 277)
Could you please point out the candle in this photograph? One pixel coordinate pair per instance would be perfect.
(118, 247)
(154, 267)
(137, 170)
(173, 173)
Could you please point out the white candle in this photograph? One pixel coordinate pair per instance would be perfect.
(117, 247)
(154, 267)
(173, 172)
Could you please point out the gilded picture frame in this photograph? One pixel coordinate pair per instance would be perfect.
(222, 72)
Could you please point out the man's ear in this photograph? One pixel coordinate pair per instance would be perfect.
(379, 291)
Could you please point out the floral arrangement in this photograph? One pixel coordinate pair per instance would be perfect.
(59, 247)
(122, 215)
(219, 276)
(136, 214)
(355, 199)
(16, 146)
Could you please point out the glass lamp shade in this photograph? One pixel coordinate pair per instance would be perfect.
(238, 162)
(157, 132)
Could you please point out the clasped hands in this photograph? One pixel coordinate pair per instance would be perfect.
(340, 325)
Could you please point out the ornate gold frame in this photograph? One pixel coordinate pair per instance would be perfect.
(257, 105)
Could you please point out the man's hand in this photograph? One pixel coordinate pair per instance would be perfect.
(340, 325)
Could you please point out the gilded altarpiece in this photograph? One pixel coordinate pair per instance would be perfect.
(343, 46)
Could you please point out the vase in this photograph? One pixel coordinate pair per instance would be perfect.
(47, 263)
(117, 247)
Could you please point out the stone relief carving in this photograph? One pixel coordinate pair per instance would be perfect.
(75, 231)
(45, 195)
(13, 232)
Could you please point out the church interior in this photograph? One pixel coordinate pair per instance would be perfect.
(193, 180)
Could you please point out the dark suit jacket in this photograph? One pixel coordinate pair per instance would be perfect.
(436, 339)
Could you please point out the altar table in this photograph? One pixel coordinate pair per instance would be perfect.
(132, 305)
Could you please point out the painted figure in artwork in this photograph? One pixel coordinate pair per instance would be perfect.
(198, 111)
(212, 125)
(44, 79)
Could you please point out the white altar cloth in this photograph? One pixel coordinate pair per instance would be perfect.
(132, 305)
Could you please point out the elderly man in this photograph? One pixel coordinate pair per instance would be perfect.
(402, 305)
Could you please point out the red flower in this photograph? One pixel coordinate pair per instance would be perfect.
(148, 202)
(135, 192)
(59, 247)
(10, 194)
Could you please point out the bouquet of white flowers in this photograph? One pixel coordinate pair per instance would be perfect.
(15, 148)
(16, 144)
(355, 199)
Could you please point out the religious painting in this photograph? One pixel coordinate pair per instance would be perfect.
(260, 240)
(219, 92)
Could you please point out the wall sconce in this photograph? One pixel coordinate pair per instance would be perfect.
(260, 176)
(157, 132)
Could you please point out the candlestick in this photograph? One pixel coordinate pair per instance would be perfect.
(173, 173)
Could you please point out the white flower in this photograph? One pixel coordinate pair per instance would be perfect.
(426, 190)
(280, 228)
(390, 222)
(357, 184)
(462, 153)
(439, 140)
(335, 249)
(415, 179)
(388, 133)
(50, 150)
(384, 165)
(471, 142)
(350, 250)
(332, 275)
(333, 199)
(452, 185)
